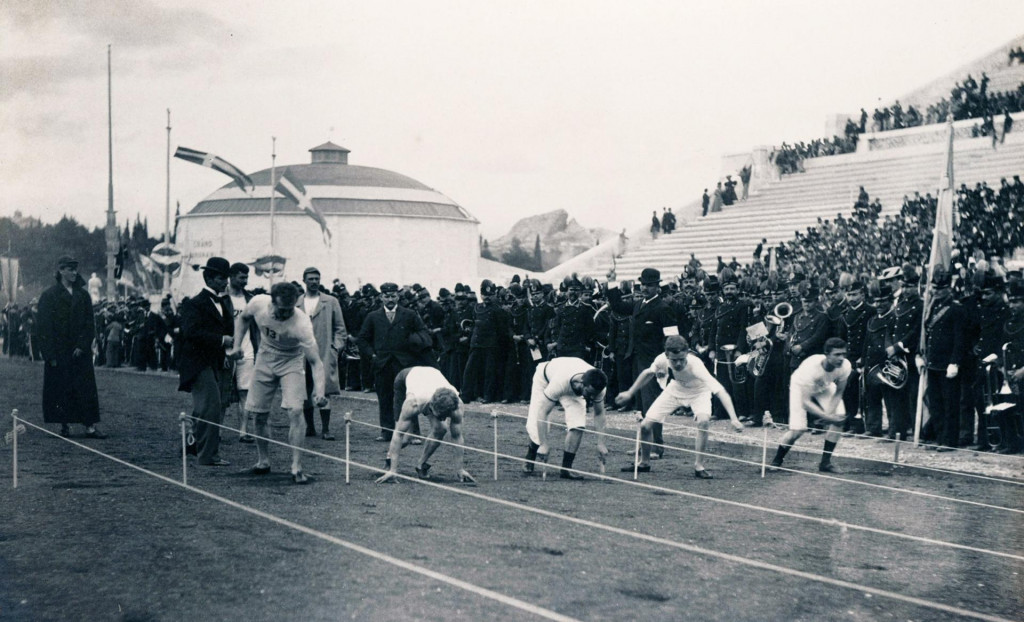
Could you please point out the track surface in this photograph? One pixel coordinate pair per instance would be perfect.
(85, 538)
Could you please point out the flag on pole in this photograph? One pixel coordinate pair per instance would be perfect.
(9, 277)
(945, 214)
(218, 164)
(292, 189)
(940, 257)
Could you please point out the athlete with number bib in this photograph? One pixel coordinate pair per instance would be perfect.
(286, 341)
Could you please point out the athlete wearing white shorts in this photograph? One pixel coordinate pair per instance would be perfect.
(242, 369)
(816, 389)
(569, 382)
(685, 382)
(286, 342)
(425, 391)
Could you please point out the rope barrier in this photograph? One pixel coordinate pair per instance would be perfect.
(895, 463)
(810, 474)
(785, 426)
(580, 521)
(433, 574)
(677, 492)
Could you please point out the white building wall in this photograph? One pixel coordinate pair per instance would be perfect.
(364, 249)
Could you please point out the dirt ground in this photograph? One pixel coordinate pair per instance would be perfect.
(85, 538)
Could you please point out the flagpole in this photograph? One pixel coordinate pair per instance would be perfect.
(273, 170)
(112, 236)
(167, 206)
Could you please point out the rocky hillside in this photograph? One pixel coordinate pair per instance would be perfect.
(561, 237)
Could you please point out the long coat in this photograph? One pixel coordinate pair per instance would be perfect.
(205, 321)
(65, 322)
(330, 333)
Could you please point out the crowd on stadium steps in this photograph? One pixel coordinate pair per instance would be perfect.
(990, 222)
(969, 100)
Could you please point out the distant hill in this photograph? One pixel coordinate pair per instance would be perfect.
(561, 238)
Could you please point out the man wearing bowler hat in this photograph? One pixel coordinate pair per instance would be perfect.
(651, 320)
(206, 333)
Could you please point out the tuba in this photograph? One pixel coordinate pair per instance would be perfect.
(782, 312)
(1011, 363)
(763, 346)
(893, 373)
(737, 369)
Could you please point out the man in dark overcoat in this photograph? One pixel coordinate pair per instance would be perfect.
(394, 338)
(65, 328)
(207, 330)
(651, 320)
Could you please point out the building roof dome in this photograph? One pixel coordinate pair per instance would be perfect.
(335, 187)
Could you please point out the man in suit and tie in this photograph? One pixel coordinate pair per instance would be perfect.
(394, 338)
(330, 333)
(652, 319)
(206, 333)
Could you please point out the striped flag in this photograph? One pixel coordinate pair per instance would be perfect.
(941, 256)
(9, 269)
(218, 164)
(292, 189)
(945, 220)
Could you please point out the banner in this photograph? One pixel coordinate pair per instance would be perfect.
(9, 269)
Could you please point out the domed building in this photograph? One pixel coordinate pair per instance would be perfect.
(383, 226)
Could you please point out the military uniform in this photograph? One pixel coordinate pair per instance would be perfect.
(878, 338)
(852, 326)
(944, 346)
(491, 329)
(1011, 434)
(573, 331)
(730, 329)
(907, 340)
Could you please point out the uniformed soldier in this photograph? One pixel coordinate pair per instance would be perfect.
(769, 388)
(538, 318)
(852, 324)
(618, 348)
(991, 316)
(519, 364)
(809, 329)
(906, 344)
(573, 327)
(730, 331)
(943, 354)
(878, 338)
(490, 329)
(1011, 434)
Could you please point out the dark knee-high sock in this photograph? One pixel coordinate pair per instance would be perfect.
(826, 454)
(567, 460)
(310, 426)
(780, 453)
(325, 420)
(531, 454)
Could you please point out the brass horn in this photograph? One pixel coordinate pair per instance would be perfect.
(782, 310)
(737, 371)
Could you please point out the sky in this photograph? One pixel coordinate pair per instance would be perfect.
(607, 110)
